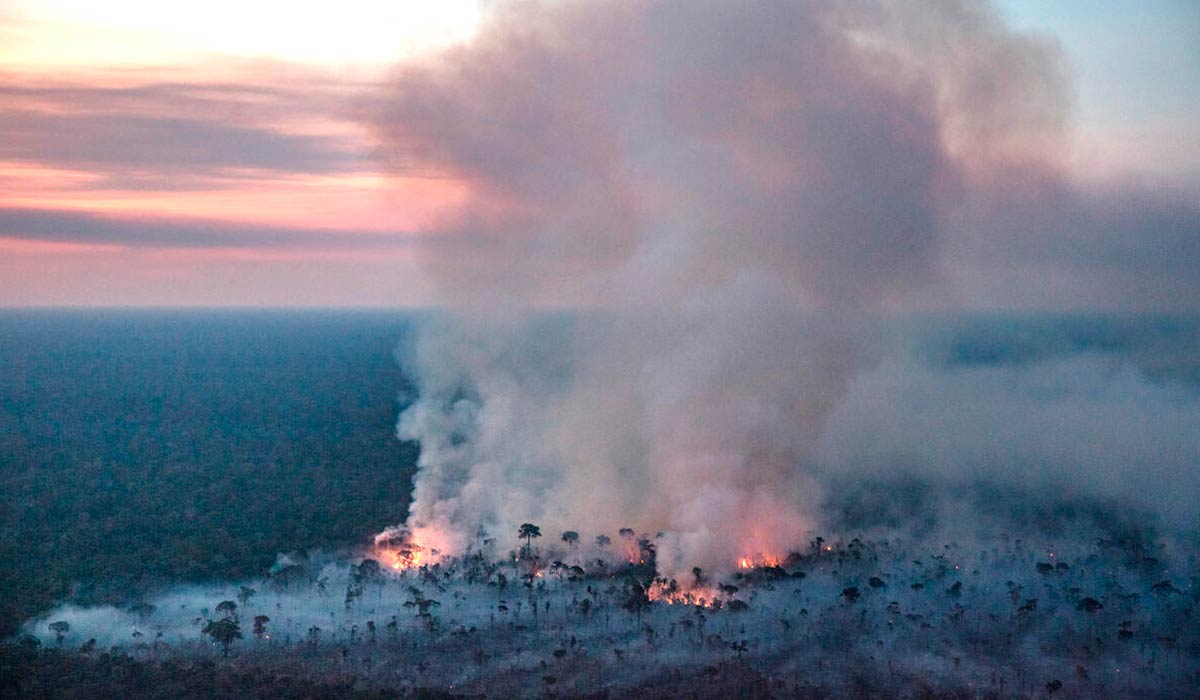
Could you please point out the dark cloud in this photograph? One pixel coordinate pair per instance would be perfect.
(176, 129)
(144, 232)
(132, 142)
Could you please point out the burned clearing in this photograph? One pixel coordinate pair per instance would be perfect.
(1006, 618)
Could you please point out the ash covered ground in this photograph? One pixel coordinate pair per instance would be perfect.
(1085, 604)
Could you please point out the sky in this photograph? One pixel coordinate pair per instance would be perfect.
(230, 154)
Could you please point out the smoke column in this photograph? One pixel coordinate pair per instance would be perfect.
(720, 192)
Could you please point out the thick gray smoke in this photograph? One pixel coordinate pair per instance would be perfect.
(726, 190)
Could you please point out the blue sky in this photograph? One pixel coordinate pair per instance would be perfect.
(1136, 73)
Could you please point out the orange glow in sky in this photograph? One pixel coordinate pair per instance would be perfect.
(229, 115)
(252, 120)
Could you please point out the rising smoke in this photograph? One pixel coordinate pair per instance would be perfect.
(722, 193)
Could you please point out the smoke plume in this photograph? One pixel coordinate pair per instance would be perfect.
(721, 192)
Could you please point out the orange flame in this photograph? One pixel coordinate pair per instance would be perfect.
(400, 550)
(758, 560)
(407, 560)
(701, 596)
(401, 560)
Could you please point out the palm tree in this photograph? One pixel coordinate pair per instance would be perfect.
(529, 531)
(635, 598)
(570, 537)
(228, 609)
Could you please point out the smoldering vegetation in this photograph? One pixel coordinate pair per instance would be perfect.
(1067, 609)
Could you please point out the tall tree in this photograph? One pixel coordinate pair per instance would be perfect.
(60, 629)
(529, 531)
(224, 632)
(260, 625)
(227, 609)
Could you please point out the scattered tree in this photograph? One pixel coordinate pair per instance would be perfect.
(60, 629)
(224, 632)
(227, 609)
(636, 599)
(260, 625)
(369, 570)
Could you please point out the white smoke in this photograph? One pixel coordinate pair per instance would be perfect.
(723, 191)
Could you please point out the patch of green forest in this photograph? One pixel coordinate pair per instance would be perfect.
(139, 448)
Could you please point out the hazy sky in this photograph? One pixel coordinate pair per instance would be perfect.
(221, 153)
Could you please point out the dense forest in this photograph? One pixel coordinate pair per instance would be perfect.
(139, 448)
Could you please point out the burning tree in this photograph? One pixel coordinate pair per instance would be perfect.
(398, 546)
